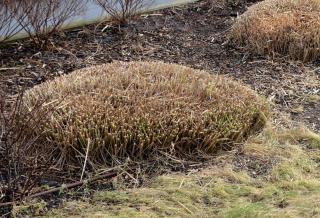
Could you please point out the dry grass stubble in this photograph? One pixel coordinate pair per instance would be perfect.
(289, 27)
(132, 109)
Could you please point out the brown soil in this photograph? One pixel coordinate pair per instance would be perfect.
(194, 35)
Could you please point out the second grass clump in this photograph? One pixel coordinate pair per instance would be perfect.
(133, 109)
(286, 27)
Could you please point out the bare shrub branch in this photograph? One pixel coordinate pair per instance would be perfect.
(45, 17)
(123, 11)
(8, 24)
(23, 157)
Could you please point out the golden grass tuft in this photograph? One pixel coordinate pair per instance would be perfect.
(288, 27)
(131, 109)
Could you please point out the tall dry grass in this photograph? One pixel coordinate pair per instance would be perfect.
(134, 109)
(288, 27)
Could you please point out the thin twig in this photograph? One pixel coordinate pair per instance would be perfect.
(10, 68)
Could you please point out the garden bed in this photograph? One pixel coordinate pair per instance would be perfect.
(195, 35)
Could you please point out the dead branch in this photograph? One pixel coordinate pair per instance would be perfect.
(63, 187)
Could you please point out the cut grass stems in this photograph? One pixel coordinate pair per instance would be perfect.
(286, 27)
(137, 108)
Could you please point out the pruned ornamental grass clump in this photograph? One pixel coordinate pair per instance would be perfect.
(135, 109)
(287, 27)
